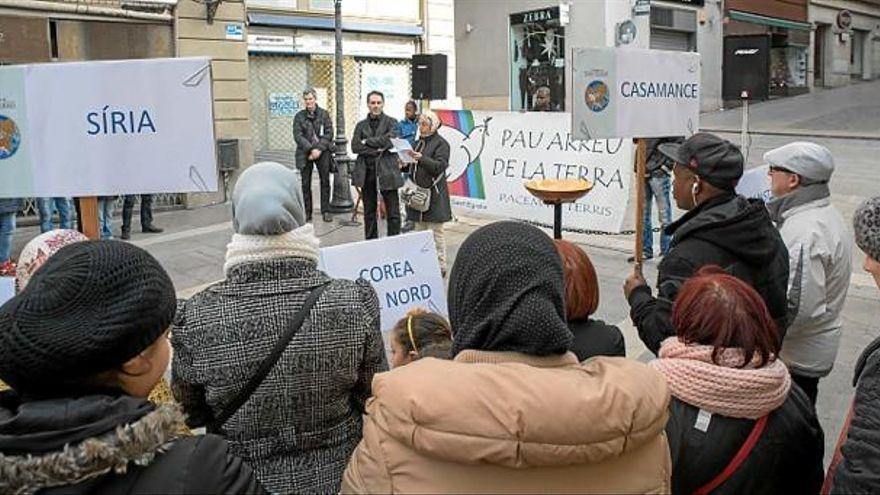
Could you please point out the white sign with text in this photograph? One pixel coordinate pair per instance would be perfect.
(493, 154)
(107, 128)
(403, 269)
(634, 93)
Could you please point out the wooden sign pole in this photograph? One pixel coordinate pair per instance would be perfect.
(88, 209)
(640, 202)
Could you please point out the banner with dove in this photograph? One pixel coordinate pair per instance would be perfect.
(492, 154)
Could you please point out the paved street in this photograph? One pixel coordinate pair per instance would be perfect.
(193, 245)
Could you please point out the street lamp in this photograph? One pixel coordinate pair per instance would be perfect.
(341, 201)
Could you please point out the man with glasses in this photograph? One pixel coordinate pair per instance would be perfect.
(720, 228)
(820, 258)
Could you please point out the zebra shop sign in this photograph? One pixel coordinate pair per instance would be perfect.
(492, 154)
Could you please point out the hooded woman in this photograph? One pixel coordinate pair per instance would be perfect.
(432, 159)
(514, 411)
(298, 426)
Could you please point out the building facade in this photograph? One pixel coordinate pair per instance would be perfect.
(506, 50)
(846, 41)
(291, 47)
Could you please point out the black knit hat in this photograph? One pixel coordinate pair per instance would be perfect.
(93, 306)
(506, 292)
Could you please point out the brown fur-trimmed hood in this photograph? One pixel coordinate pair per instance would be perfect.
(136, 442)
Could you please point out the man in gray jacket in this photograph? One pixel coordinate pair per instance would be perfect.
(820, 256)
(313, 133)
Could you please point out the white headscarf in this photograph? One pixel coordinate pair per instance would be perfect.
(432, 118)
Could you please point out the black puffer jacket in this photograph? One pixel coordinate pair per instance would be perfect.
(729, 231)
(786, 459)
(430, 172)
(859, 467)
(110, 444)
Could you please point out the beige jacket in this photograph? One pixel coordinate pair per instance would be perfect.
(491, 422)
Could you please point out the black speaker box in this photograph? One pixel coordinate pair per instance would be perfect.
(746, 67)
(429, 76)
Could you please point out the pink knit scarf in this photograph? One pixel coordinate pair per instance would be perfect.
(749, 392)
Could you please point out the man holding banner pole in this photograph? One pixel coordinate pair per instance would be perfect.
(720, 228)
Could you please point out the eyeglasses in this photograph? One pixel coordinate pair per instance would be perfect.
(774, 168)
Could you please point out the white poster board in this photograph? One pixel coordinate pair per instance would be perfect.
(755, 183)
(107, 128)
(392, 81)
(7, 289)
(403, 269)
(493, 154)
(634, 93)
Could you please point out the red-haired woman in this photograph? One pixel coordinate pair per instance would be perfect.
(736, 424)
(591, 337)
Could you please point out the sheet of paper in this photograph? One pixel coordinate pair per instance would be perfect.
(7, 289)
(402, 145)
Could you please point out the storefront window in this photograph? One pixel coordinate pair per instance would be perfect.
(537, 61)
(788, 60)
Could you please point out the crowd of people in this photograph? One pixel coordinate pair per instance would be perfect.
(521, 389)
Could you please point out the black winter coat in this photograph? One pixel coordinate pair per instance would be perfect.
(786, 459)
(596, 338)
(110, 443)
(372, 146)
(431, 172)
(730, 231)
(859, 467)
(305, 126)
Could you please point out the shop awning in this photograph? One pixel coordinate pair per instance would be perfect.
(737, 15)
(328, 24)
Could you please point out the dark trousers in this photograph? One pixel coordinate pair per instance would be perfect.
(323, 164)
(371, 202)
(809, 384)
(146, 211)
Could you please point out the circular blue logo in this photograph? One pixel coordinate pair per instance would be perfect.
(10, 137)
(597, 96)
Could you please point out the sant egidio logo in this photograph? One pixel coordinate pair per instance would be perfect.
(10, 137)
(597, 95)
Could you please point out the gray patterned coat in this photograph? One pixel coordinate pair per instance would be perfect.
(301, 425)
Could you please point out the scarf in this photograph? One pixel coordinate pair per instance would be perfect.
(506, 292)
(749, 392)
(807, 193)
(298, 243)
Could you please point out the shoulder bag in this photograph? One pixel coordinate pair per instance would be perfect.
(269, 362)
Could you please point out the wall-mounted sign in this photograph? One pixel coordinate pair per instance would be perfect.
(270, 44)
(235, 32)
(535, 16)
(642, 7)
(626, 32)
(844, 20)
(283, 105)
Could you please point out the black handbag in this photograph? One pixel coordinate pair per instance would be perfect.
(268, 363)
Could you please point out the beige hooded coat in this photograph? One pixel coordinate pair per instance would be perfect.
(502, 422)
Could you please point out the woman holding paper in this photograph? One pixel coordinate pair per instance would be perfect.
(431, 157)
